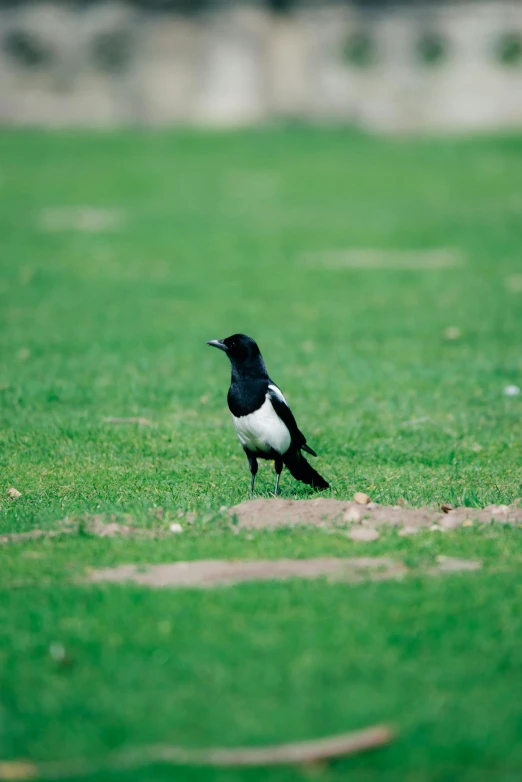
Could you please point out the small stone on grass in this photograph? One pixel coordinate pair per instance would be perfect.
(57, 652)
(14, 493)
(353, 515)
(361, 498)
(452, 332)
(450, 521)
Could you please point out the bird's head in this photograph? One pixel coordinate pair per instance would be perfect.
(238, 347)
(242, 351)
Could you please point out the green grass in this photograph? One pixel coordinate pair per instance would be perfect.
(219, 235)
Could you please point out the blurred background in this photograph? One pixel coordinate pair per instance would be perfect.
(378, 64)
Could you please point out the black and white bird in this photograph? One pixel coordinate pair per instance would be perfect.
(264, 423)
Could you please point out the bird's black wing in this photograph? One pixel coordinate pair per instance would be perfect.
(280, 406)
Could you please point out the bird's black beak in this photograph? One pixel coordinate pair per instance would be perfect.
(217, 343)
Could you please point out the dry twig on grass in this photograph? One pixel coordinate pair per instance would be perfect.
(300, 753)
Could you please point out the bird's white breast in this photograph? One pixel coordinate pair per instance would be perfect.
(263, 430)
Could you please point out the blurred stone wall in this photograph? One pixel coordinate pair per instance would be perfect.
(456, 66)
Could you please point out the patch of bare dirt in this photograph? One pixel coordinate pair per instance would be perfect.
(88, 219)
(209, 573)
(102, 528)
(34, 534)
(377, 258)
(455, 564)
(132, 420)
(321, 512)
(98, 525)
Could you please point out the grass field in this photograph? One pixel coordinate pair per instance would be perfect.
(383, 281)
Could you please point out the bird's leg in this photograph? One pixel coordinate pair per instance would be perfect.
(278, 464)
(252, 463)
(277, 484)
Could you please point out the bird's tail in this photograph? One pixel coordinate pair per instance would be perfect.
(301, 470)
